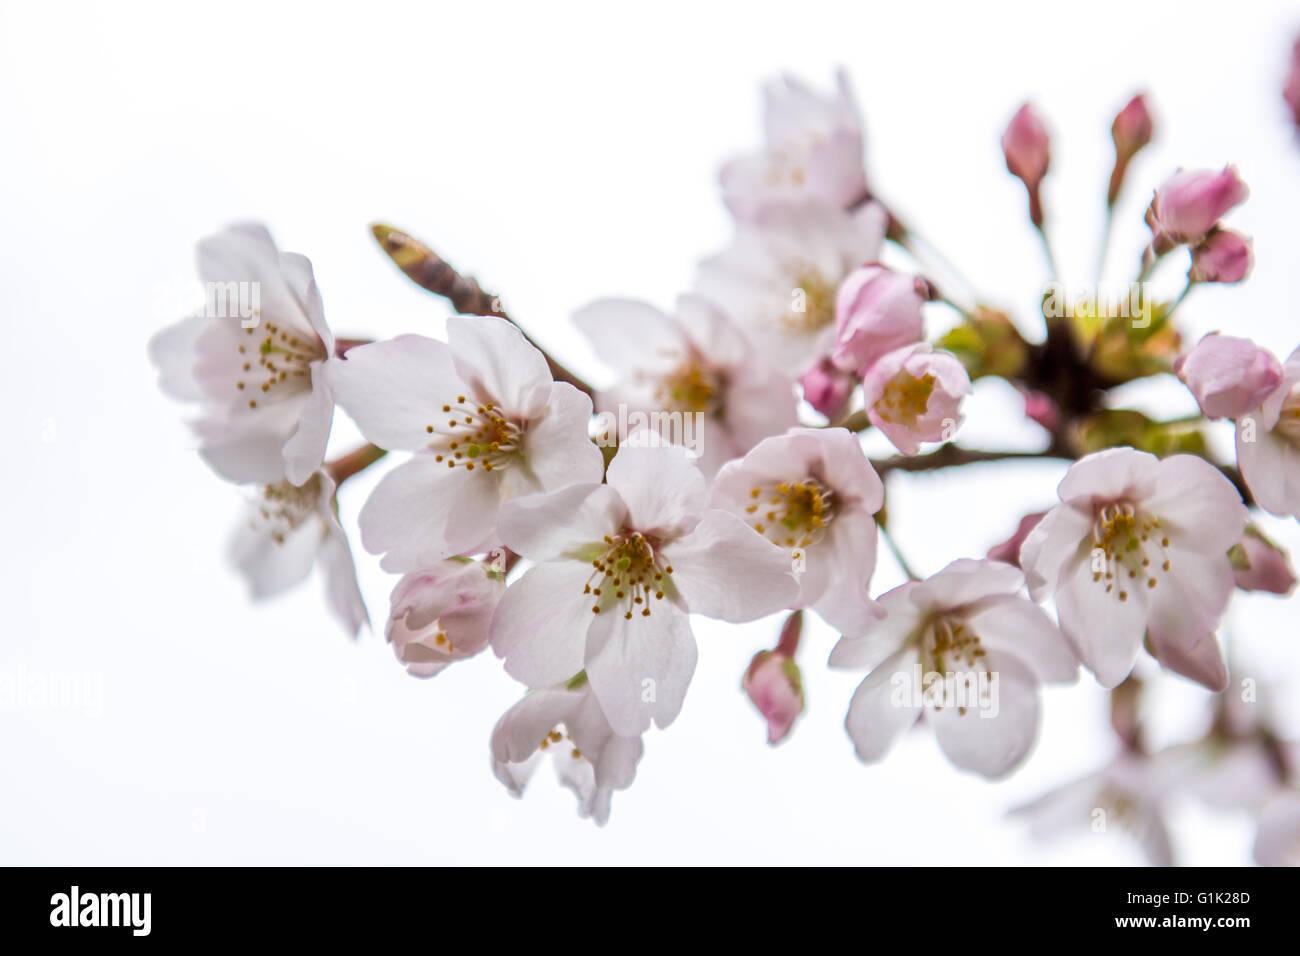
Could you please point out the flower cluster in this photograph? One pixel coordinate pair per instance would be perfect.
(574, 531)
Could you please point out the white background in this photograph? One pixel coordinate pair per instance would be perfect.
(560, 152)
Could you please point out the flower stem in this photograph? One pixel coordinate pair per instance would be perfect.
(357, 460)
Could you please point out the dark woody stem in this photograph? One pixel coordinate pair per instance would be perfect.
(430, 271)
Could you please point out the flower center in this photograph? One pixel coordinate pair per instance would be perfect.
(690, 387)
(475, 435)
(1122, 535)
(954, 672)
(792, 514)
(283, 508)
(905, 398)
(282, 361)
(557, 736)
(627, 574)
(812, 305)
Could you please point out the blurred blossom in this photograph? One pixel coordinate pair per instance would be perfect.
(1260, 565)
(914, 395)
(1291, 90)
(812, 150)
(1229, 376)
(877, 310)
(1191, 202)
(1222, 256)
(826, 388)
(1268, 445)
(1027, 150)
(1131, 131)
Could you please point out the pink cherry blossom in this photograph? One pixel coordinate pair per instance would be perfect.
(1191, 203)
(1262, 566)
(1222, 256)
(566, 723)
(778, 279)
(1229, 376)
(812, 150)
(288, 530)
(692, 372)
(618, 568)
(441, 614)
(826, 388)
(775, 687)
(264, 407)
(813, 493)
(1138, 548)
(914, 395)
(1268, 445)
(486, 423)
(970, 650)
(877, 310)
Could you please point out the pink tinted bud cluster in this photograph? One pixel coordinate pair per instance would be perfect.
(1191, 203)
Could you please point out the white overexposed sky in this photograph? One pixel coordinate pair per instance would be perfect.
(560, 152)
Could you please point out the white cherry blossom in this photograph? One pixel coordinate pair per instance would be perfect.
(486, 423)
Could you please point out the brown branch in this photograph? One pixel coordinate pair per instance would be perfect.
(430, 271)
(952, 456)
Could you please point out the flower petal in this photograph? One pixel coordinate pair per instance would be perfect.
(724, 569)
(540, 625)
(641, 667)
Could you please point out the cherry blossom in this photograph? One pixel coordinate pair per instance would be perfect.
(694, 362)
(289, 529)
(441, 614)
(813, 493)
(1268, 444)
(877, 310)
(618, 568)
(968, 649)
(914, 395)
(264, 407)
(812, 150)
(1138, 548)
(778, 279)
(565, 722)
(486, 423)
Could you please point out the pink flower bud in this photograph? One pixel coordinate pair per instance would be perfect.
(1131, 130)
(1260, 565)
(877, 310)
(1229, 376)
(1041, 409)
(914, 395)
(441, 614)
(1191, 202)
(1027, 149)
(826, 388)
(1222, 256)
(1009, 550)
(774, 684)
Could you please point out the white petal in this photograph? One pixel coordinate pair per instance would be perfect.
(1106, 632)
(305, 449)
(1197, 505)
(559, 451)
(630, 335)
(725, 569)
(395, 390)
(664, 492)
(422, 511)
(1012, 625)
(640, 667)
(903, 618)
(845, 604)
(884, 705)
(563, 523)
(499, 364)
(993, 739)
(1051, 547)
(1111, 474)
(540, 625)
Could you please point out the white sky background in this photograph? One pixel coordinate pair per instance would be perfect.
(559, 153)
